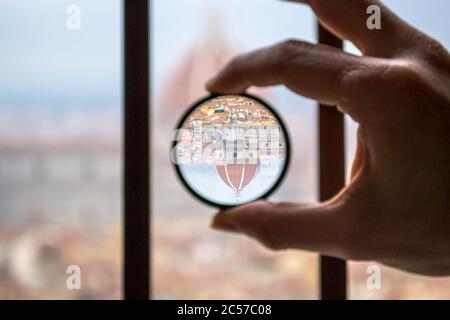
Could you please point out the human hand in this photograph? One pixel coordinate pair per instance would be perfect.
(396, 207)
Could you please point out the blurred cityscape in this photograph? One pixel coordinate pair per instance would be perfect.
(60, 205)
(60, 202)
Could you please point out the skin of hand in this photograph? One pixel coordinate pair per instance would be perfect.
(396, 207)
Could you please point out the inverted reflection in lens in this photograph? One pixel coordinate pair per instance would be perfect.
(231, 150)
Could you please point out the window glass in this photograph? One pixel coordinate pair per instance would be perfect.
(191, 40)
(60, 149)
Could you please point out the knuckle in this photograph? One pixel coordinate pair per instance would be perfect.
(284, 55)
(409, 92)
(403, 76)
(289, 49)
(345, 81)
(289, 45)
(435, 53)
(436, 49)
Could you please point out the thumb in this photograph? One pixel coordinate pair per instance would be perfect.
(287, 225)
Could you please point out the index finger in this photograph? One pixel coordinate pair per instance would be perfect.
(318, 72)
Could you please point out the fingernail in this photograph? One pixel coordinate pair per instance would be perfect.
(223, 223)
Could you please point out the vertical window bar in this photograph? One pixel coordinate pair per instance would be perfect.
(136, 280)
(333, 273)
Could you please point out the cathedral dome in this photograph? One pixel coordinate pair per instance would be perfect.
(187, 82)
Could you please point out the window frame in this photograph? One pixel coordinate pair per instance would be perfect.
(136, 145)
(331, 139)
(136, 173)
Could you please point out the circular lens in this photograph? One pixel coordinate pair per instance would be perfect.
(230, 150)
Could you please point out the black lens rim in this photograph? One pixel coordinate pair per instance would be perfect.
(264, 195)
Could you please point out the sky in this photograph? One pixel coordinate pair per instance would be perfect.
(41, 58)
(47, 69)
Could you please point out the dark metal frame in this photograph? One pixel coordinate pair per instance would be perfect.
(283, 129)
(333, 273)
(136, 228)
(136, 152)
